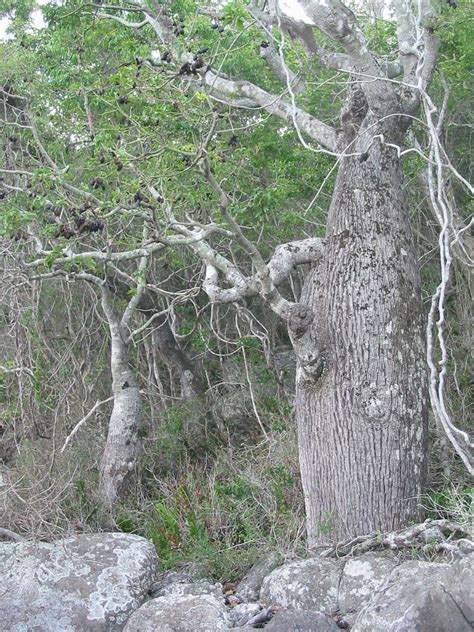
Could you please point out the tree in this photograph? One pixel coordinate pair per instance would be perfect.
(357, 328)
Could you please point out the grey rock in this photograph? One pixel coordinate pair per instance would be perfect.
(458, 583)
(416, 598)
(242, 613)
(88, 582)
(361, 578)
(186, 613)
(260, 618)
(301, 621)
(433, 534)
(169, 578)
(310, 584)
(249, 588)
(191, 588)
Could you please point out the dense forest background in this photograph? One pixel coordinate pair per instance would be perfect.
(100, 133)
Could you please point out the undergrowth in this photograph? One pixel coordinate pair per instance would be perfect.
(216, 519)
(453, 502)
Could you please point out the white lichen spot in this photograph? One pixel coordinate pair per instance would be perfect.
(116, 592)
(333, 592)
(358, 568)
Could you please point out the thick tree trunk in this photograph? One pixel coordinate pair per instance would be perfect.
(362, 420)
(123, 440)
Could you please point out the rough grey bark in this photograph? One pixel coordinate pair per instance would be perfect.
(362, 417)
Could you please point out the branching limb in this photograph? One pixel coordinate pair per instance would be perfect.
(266, 288)
(322, 133)
(339, 23)
(248, 94)
(418, 48)
(148, 322)
(141, 283)
(148, 249)
(283, 262)
(270, 55)
(303, 33)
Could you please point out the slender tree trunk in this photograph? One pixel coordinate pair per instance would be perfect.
(168, 347)
(178, 360)
(123, 440)
(362, 420)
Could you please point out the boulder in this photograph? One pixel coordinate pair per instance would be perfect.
(249, 587)
(193, 588)
(310, 584)
(458, 583)
(185, 613)
(301, 621)
(87, 582)
(422, 597)
(242, 613)
(361, 578)
(166, 579)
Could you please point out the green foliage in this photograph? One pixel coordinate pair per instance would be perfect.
(235, 14)
(453, 503)
(125, 524)
(52, 256)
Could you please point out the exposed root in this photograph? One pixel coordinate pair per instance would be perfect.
(431, 536)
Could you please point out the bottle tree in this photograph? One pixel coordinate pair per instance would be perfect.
(357, 327)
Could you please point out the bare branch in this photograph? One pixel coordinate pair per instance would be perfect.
(18, 369)
(274, 104)
(274, 61)
(146, 250)
(7, 534)
(141, 282)
(132, 25)
(80, 423)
